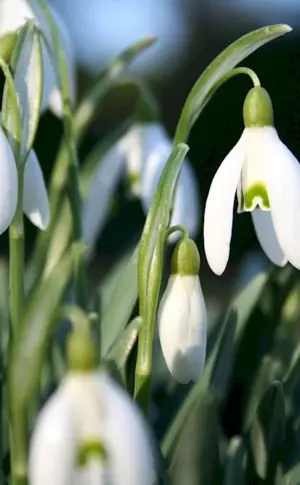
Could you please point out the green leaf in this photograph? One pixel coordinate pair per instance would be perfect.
(235, 466)
(196, 460)
(269, 370)
(112, 76)
(158, 219)
(28, 352)
(120, 351)
(217, 69)
(118, 294)
(268, 432)
(239, 313)
(26, 62)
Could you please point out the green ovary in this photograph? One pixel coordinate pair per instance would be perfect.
(90, 449)
(256, 192)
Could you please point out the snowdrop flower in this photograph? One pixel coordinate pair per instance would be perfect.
(90, 432)
(182, 318)
(265, 175)
(147, 149)
(13, 15)
(100, 191)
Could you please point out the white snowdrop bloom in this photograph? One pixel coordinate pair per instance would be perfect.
(35, 197)
(182, 317)
(91, 433)
(147, 148)
(100, 191)
(265, 175)
(8, 183)
(13, 15)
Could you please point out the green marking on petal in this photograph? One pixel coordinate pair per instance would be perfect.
(134, 178)
(90, 449)
(255, 195)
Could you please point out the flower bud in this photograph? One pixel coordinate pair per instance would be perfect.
(258, 109)
(182, 318)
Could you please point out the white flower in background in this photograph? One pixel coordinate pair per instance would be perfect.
(13, 15)
(100, 191)
(35, 197)
(8, 183)
(147, 149)
(182, 317)
(265, 175)
(88, 432)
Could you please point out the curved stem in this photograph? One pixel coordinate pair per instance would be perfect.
(176, 228)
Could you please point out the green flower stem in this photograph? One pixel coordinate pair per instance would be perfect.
(18, 421)
(73, 188)
(177, 227)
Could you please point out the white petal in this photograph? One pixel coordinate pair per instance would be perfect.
(92, 474)
(131, 145)
(218, 213)
(8, 183)
(53, 443)
(13, 14)
(126, 437)
(35, 198)
(182, 326)
(266, 235)
(283, 185)
(102, 186)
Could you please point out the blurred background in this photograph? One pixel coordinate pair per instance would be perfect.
(190, 34)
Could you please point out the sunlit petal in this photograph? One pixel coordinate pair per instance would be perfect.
(283, 184)
(8, 183)
(219, 208)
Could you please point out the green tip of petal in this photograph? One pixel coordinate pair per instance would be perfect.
(185, 258)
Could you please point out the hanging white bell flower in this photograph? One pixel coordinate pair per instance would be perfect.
(147, 149)
(265, 175)
(89, 432)
(8, 183)
(100, 191)
(13, 15)
(35, 198)
(182, 317)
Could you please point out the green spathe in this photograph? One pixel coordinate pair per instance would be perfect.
(258, 109)
(7, 43)
(185, 258)
(81, 351)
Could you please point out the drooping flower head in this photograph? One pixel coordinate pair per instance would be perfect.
(265, 176)
(147, 149)
(89, 432)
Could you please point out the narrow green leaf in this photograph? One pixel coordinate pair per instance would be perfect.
(111, 77)
(239, 312)
(235, 466)
(26, 62)
(120, 351)
(268, 432)
(269, 370)
(158, 216)
(28, 351)
(196, 460)
(118, 294)
(217, 69)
